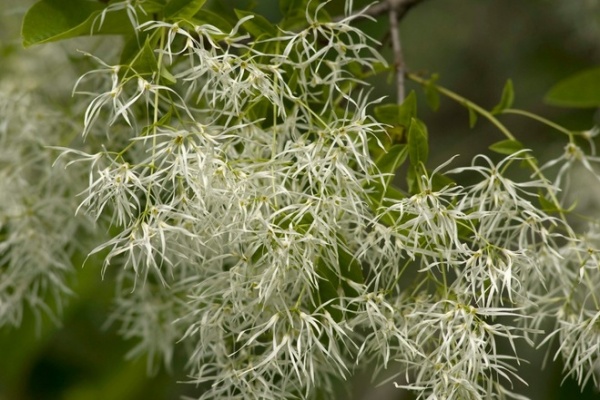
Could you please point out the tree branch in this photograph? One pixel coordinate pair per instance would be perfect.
(398, 56)
(401, 7)
(396, 10)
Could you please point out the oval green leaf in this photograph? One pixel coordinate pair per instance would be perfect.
(581, 90)
(507, 146)
(507, 99)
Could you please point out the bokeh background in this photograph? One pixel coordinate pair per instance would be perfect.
(475, 46)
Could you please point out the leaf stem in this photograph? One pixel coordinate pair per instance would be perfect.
(465, 102)
(490, 117)
(539, 119)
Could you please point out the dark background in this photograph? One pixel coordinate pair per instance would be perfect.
(475, 45)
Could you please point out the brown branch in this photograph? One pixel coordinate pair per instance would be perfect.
(396, 10)
(377, 10)
(398, 56)
(401, 7)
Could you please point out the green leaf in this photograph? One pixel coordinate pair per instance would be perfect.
(349, 267)
(350, 270)
(472, 116)
(262, 110)
(418, 143)
(408, 109)
(327, 290)
(440, 181)
(412, 179)
(380, 196)
(183, 9)
(164, 120)
(336, 275)
(507, 99)
(151, 6)
(398, 118)
(258, 25)
(547, 205)
(388, 114)
(205, 16)
(550, 207)
(389, 162)
(167, 76)
(53, 20)
(292, 7)
(581, 90)
(397, 115)
(141, 60)
(507, 146)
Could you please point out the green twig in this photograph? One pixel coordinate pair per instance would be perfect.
(539, 119)
(490, 117)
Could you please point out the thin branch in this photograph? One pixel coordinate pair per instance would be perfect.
(403, 6)
(398, 56)
(378, 9)
(396, 10)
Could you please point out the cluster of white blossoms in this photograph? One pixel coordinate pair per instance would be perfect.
(37, 204)
(233, 171)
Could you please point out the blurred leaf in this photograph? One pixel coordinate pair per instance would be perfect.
(440, 181)
(408, 109)
(125, 382)
(184, 9)
(547, 205)
(412, 179)
(327, 289)
(381, 198)
(167, 76)
(349, 267)
(388, 114)
(293, 7)
(205, 16)
(22, 347)
(507, 146)
(507, 99)
(258, 25)
(550, 207)
(53, 20)
(581, 90)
